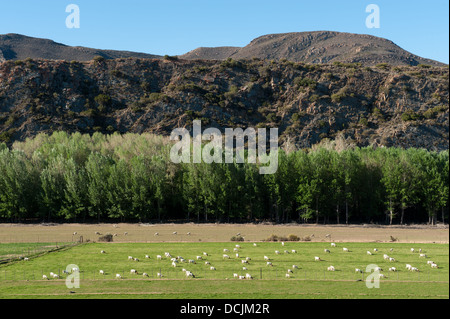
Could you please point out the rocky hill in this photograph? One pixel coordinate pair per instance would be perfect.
(317, 47)
(19, 47)
(384, 105)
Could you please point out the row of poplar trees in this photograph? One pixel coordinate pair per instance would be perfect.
(76, 178)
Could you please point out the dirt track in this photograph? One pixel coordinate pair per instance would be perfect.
(219, 232)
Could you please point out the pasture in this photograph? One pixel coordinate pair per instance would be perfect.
(23, 279)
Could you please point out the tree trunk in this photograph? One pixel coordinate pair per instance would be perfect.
(337, 213)
(346, 211)
(403, 214)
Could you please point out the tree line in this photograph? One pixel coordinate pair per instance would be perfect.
(80, 177)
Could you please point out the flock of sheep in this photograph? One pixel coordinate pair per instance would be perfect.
(178, 261)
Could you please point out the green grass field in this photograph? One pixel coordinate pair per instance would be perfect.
(23, 279)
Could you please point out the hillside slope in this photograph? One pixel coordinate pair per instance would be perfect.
(384, 105)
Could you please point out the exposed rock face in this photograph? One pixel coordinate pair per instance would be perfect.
(385, 105)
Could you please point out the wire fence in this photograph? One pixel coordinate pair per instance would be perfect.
(10, 253)
(259, 274)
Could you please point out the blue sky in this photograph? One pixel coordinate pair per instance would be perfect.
(178, 26)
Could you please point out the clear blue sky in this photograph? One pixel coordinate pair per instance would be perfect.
(178, 26)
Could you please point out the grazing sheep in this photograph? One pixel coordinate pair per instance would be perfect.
(391, 259)
(375, 250)
(226, 250)
(248, 258)
(189, 274)
(254, 245)
(269, 264)
(294, 251)
(26, 259)
(289, 271)
(286, 252)
(345, 249)
(97, 233)
(433, 265)
(386, 257)
(188, 233)
(125, 233)
(326, 251)
(244, 268)
(235, 249)
(74, 233)
(331, 268)
(101, 272)
(248, 276)
(393, 269)
(199, 257)
(414, 269)
(144, 274)
(358, 270)
(174, 233)
(381, 276)
(235, 275)
(241, 277)
(133, 271)
(244, 261)
(159, 257)
(282, 243)
(118, 276)
(167, 255)
(205, 254)
(408, 266)
(277, 252)
(422, 256)
(207, 263)
(174, 264)
(288, 276)
(237, 255)
(212, 268)
(392, 249)
(102, 252)
(136, 259)
(316, 258)
(55, 276)
(237, 246)
(191, 261)
(294, 267)
(147, 256)
(333, 244)
(226, 257)
(156, 234)
(369, 253)
(75, 269)
(130, 257)
(412, 250)
(159, 275)
(266, 258)
(378, 269)
(44, 277)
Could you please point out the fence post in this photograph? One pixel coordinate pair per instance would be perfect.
(260, 273)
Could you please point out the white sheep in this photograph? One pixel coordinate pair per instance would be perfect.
(44, 277)
(241, 277)
(286, 252)
(391, 259)
(244, 268)
(207, 263)
(378, 269)
(413, 250)
(327, 251)
(289, 271)
(393, 269)
(188, 233)
(345, 249)
(408, 266)
(225, 257)
(205, 253)
(333, 244)
(212, 268)
(147, 256)
(433, 265)
(282, 243)
(269, 264)
(254, 245)
(237, 255)
(133, 271)
(226, 250)
(101, 272)
(277, 252)
(159, 275)
(358, 270)
(429, 262)
(235, 275)
(102, 252)
(266, 258)
(174, 264)
(248, 258)
(130, 257)
(423, 256)
(294, 267)
(386, 257)
(144, 274)
(244, 261)
(248, 276)
(136, 259)
(191, 261)
(414, 269)
(156, 234)
(331, 268)
(159, 257)
(26, 259)
(199, 257)
(118, 276)
(369, 253)
(375, 250)
(55, 276)
(288, 276)
(381, 276)
(237, 246)
(174, 233)
(316, 258)
(235, 249)
(294, 251)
